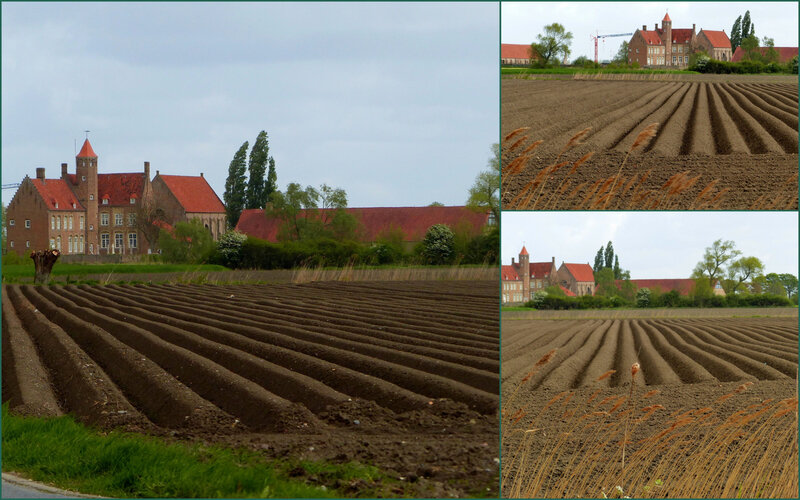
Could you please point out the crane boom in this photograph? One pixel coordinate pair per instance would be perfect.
(596, 37)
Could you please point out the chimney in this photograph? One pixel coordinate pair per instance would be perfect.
(656, 27)
(554, 261)
(40, 173)
(694, 26)
(512, 261)
(147, 170)
(63, 170)
(156, 172)
(201, 174)
(644, 27)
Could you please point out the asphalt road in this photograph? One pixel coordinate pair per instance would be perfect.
(24, 489)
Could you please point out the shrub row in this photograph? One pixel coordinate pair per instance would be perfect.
(743, 67)
(669, 299)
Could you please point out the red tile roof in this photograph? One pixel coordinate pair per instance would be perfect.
(666, 17)
(650, 37)
(718, 39)
(194, 193)
(683, 35)
(56, 191)
(118, 188)
(540, 270)
(413, 221)
(784, 53)
(523, 251)
(86, 151)
(581, 272)
(683, 286)
(567, 291)
(514, 51)
(509, 273)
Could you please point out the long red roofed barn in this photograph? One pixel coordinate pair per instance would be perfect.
(99, 214)
(375, 222)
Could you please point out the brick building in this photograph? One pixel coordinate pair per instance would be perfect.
(101, 214)
(682, 286)
(520, 280)
(668, 47)
(515, 54)
(785, 54)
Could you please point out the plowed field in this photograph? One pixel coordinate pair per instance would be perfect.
(744, 134)
(686, 365)
(399, 374)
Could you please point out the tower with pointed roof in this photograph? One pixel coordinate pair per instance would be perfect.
(666, 33)
(524, 269)
(85, 187)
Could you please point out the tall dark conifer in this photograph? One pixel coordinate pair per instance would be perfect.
(259, 156)
(235, 185)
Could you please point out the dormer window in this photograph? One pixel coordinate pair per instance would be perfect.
(133, 201)
(73, 205)
(105, 201)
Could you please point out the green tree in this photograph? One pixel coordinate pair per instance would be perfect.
(617, 270)
(293, 208)
(770, 55)
(189, 243)
(605, 283)
(701, 292)
(608, 256)
(789, 282)
(272, 180)
(257, 169)
(485, 191)
(583, 62)
(436, 204)
(235, 186)
(714, 260)
(4, 222)
(229, 247)
(553, 45)
(743, 269)
(643, 297)
(774, 285)
(622, 53)
(437, 246)
(750, 49)
(598, 261)
(736, 34)
(747, 26)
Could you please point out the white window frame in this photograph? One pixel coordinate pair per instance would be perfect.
(27, 243)
(91, 197)
(131, 219)
(71, 217)
(119, 241)
(58, 222)
(132, 240)
(105, 201)
(11, 244)
(105, 240)
(10, 222)
(52, 222)
(104, 218)
(133, 201)
(118, 219)
(52, 242)
(82, 223)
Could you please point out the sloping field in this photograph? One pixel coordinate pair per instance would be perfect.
(711, 413)
(670, 351)
(744, 134)
(335, 362)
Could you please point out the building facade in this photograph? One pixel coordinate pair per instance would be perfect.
(97, 214)
(672, 47)
(521, 280)
(512, 54)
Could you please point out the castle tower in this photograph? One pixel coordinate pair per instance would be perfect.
(525, 271)
(86, 190)
(666, 25)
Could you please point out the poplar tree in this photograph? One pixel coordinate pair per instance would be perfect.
(235, 185)
(736, 34)
(257, 168)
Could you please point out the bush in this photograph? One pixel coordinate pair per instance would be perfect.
(643, 297)
(188, 243)
(437, 246)
(12, 259)
(229, 249)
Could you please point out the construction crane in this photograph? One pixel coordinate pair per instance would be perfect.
(11, 186)
(595, 37)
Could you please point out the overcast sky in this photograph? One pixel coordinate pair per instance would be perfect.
(395, 103)
(521, 22)
(651, 244)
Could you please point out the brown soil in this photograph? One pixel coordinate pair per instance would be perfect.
(691, 362)
(399, 375)
(744, 134)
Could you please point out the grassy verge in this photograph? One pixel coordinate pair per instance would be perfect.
(64, 453)
(15, 271)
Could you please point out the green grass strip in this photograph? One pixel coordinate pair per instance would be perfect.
(590, 71)
(64, 453)
(27, 270)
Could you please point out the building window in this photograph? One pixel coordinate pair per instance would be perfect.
(105, 201)
(71, 218)
(91, 196)
(81, 245)
(104, 219)
(680, 49)
(58, 222)
(131, 219)
(674, 59)
(52, 222)
(58, 243)
(118, 240)
(82, 222)
(91, 227)
(117, 219)
(11, 244)
(27, 223)
(637, 50)
(83, 178)
(133, 201)
(69, 243)
(27, 243)
(11, 222)
(104, 239)
(52, 243)
(131, 240)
